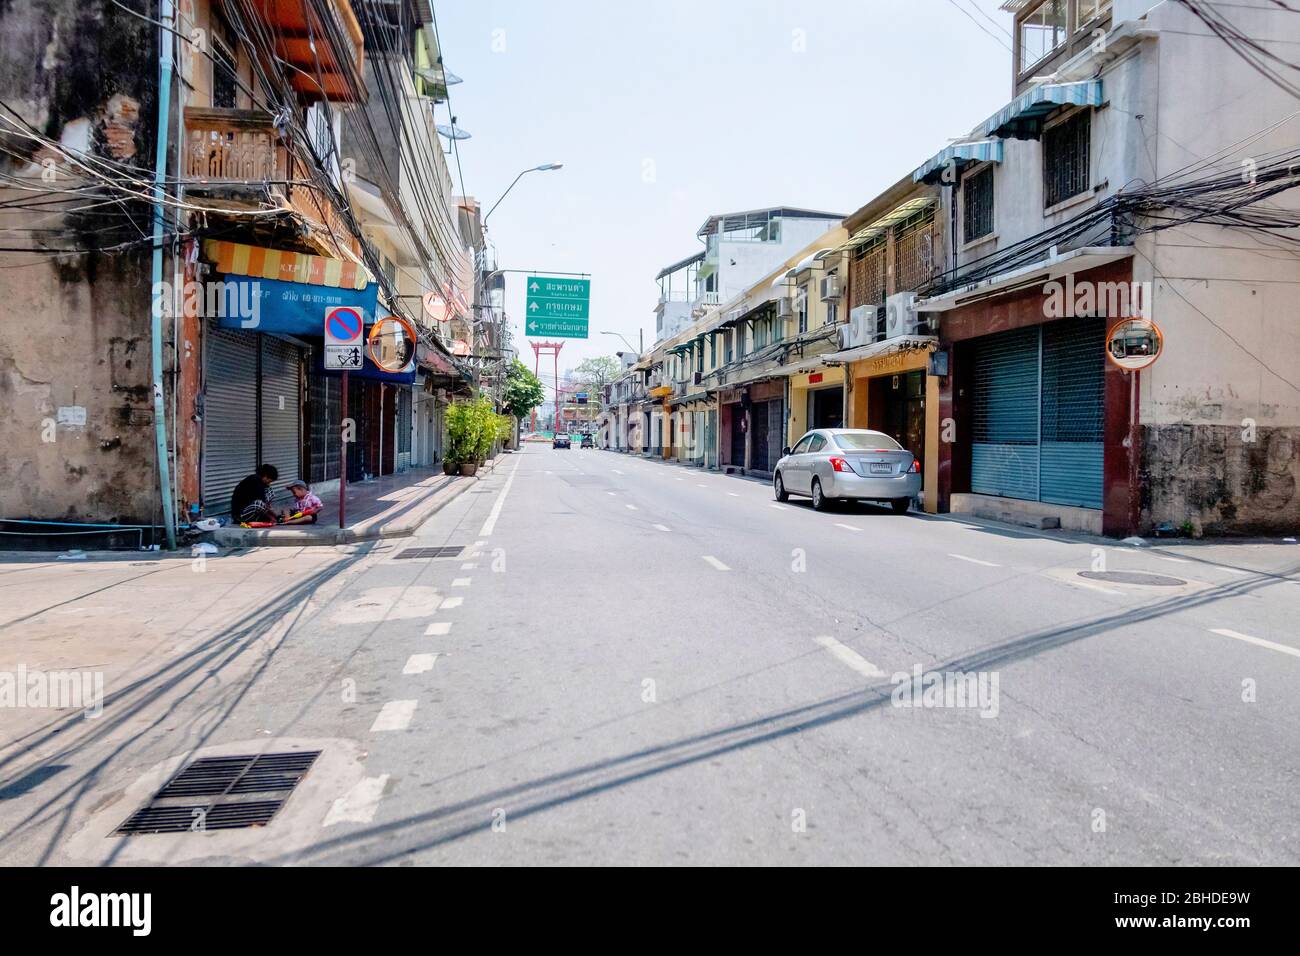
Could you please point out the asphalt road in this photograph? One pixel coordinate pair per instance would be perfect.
(638, 663)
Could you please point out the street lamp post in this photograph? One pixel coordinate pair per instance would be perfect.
(545, 167)
(640, 336)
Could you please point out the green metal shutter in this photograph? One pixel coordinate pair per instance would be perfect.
(1074, 367)
(1004, 423)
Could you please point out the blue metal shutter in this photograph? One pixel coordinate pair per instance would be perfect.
(1074, 367)
(1004, 421)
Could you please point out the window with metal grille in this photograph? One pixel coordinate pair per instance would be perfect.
(801, 308)
(914, 252)
(867, 274)
(1065, 158)
(978, 193)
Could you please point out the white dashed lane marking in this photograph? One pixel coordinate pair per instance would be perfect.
(461, 582)
(962, 557)
(847, 527)
(450, 603)
(715, 563)
(849, 657)
(358, 805)
(438, 629)
(1257, 641)
(662, 527)
(395, 715)
(419, 663)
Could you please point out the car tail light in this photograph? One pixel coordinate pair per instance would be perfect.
(916, 465)
(841, 464)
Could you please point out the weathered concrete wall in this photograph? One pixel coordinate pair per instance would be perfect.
(1215, 479)
(76, 433)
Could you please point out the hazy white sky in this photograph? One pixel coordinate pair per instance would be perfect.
(667, 111)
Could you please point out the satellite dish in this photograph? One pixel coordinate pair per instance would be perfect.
(451, 132)
(450, 79)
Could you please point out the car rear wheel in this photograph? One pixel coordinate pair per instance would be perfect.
(819, 501)
(778, 486)
(900, 505)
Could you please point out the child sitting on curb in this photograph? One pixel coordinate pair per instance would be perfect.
(306, 505)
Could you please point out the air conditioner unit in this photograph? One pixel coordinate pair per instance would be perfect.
(900, 315)
(861, 328)
(784, 307)
(830, 287)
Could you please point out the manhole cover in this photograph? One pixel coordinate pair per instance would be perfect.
(199, 797)
(447, 552)
(1134, 577)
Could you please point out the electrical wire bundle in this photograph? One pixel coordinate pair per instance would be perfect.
(1236, 199)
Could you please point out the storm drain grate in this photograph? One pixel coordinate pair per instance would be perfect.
(450, 551)
(212, 781)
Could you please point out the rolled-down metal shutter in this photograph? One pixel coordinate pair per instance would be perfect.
(229, 415)
(281, 411)
(1071, 449)
(1004, 420)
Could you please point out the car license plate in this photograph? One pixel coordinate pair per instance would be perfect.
(881, 468)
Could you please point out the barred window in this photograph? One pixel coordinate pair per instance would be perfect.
(914, 251)
(978, 193)
(1065, 158)
(867, 274)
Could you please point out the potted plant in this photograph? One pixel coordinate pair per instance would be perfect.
(462, 430)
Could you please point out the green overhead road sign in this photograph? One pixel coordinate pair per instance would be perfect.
(557, 307)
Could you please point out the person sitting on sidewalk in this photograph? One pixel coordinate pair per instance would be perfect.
(250, 503)
(306, 505)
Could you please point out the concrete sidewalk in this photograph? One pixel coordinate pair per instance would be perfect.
(390, 507)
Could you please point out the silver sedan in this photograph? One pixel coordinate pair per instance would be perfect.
(850, 464)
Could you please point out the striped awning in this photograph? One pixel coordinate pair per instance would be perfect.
(1023, 117)
(956, 156)
(233, 258)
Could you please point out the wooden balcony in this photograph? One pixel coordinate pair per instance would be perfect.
(231, 147)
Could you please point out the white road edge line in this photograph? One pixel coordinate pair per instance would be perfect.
(715, 563)
(491, 523)
(1258, 641)
(394, 715)
(359, 804)
(962, 557)
(419, 663)
(849, 657)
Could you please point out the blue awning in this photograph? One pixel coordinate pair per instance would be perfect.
(956, 156)
(1022, 118)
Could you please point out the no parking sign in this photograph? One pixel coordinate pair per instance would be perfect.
(343, 333)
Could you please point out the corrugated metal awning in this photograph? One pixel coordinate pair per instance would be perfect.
(956, 156)
(1023, 117)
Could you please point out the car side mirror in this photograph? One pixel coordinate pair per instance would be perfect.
(785, 451)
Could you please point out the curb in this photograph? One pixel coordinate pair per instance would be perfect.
(232, 538)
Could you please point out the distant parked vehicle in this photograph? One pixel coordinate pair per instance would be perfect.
(588, 442)
(851, 464)
(561, 441)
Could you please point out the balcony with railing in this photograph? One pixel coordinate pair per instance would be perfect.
(231, 148)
